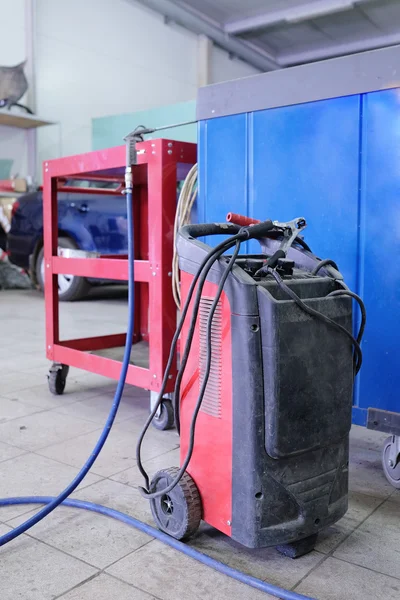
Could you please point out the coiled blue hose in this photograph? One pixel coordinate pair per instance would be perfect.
(258, 584)
(52, 502)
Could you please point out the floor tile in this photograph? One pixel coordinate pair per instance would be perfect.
(395, 496)
(166, 573)
(33, 475)
(376, 543)
(41, 429)
(95, 539)
(264, 563)
(39, 395)
(133, 477)
(338, 580)
(117, 454)
(12, 409)
(97, 408)
(7, 451)
(121, 497)
(166, 439)
(105, 587)
(361, 437)
(360, 506)
(366, 474)
(14, 381)
(30, 570)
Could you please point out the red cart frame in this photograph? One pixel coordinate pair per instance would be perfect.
(154, 205)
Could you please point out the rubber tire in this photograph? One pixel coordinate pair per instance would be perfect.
(387, 470)
(57, 382)
(80, 286)
(166, 419)
(185, 496)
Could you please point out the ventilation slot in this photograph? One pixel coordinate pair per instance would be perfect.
(211, 404)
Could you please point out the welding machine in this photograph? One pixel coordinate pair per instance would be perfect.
(263, 397)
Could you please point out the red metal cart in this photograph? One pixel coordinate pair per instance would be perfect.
(161, 163)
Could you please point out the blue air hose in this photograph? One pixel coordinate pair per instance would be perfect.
(258, 584)
(52, 502)
(56, 501)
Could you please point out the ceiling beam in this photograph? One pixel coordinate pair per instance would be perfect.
(293, 14)
(287, 59)
(193, 21)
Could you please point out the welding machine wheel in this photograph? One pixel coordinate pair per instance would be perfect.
(57, 378)
(178, 512)
(165, 420)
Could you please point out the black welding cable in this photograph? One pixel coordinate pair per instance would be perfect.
(361, 304)
(324, 263)
(228, 269)
(201, 274)
(320, 316)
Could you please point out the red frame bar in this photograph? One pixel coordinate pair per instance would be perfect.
(154, 210)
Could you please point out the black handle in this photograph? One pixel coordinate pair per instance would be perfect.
(260, 230)
(200, 229)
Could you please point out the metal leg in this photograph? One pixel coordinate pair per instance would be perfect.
(153, 400)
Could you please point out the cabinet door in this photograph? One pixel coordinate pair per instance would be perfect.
(380, 250)
(304, 162)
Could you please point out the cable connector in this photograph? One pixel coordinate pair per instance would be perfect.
(128, 179)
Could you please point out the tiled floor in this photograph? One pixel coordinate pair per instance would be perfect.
(76, 555)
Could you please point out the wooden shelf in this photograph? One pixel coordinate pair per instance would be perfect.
(21, 120)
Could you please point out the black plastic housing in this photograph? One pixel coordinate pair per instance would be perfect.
(292, 399)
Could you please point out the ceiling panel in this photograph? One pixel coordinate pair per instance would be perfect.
(361, 25)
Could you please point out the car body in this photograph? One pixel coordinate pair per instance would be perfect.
(89, 221)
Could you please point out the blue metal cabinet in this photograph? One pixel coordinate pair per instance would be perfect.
(337, 163)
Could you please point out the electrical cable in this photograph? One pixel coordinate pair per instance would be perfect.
(263, 586)
(320, 316)
(324, 263)
(174, 483)
(184, 207)
(361, 304)
(7, 537)
(201, 274)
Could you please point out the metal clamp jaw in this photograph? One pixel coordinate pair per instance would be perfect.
(291, 229)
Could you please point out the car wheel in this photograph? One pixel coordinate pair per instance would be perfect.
(70, 287)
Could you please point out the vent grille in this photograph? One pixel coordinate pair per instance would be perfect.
(211, 404)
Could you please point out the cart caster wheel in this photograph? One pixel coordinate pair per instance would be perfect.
(57, 378)
(391, 461)
(177, 513)
(165, 419)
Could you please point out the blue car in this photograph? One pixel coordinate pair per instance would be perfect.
(86, 221)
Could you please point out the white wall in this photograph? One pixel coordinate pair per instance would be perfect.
(103, 57)
(12, 51)
(95, 58)
(223, 67)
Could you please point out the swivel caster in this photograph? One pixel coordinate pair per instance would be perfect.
(178, 512)
(391, 460)
(57, 378)
(164, 417)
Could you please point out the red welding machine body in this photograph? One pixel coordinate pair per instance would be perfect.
(270, 457)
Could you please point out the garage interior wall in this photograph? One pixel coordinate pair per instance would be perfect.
(13, 146)
(98, 58)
